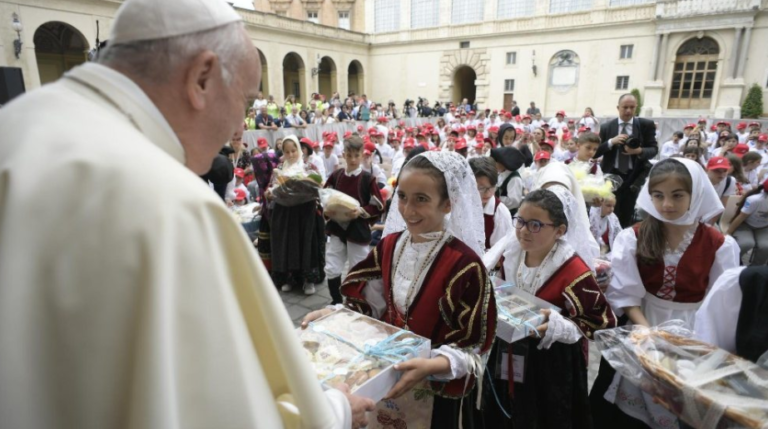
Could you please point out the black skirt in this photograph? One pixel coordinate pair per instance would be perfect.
(445, 414)
(297, 244)
(554, 392)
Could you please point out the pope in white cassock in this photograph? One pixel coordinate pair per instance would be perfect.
(129, 297)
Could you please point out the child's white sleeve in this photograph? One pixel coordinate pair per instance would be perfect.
(514, 194)
(626, 288)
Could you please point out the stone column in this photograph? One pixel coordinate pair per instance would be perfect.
(445, 12)
(662, 56)
(656, 52)
(744, 51)
(489, 10)
(735, 53)
(405, 15)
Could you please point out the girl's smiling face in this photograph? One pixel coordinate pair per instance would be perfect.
(423, 202)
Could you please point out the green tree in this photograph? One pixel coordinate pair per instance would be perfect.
(753, 104)
(636, 93)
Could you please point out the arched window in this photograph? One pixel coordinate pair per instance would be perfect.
(693, 79)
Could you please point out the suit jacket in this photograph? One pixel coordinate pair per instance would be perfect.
(644, 129)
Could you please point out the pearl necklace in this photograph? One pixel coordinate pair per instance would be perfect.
(412, 287)
(531, 288)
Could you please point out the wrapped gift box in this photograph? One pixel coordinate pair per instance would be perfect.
(348, 347)
(519, 313)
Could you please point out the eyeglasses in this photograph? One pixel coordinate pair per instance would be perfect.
(484, 190)
(534, 226)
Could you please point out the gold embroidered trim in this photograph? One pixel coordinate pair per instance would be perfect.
(368, 270)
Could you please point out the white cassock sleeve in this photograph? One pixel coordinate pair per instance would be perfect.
(718, 315)
(626, 288)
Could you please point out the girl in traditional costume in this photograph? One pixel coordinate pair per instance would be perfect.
(550, 390)
(663, 268)
(298, 231)
(426, 276)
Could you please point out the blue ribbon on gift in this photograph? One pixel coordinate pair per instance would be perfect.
(522, 323)
(390, 349)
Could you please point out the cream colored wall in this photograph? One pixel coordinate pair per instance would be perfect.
(412, 63)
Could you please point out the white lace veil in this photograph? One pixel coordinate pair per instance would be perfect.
(465, 221)
(569, 192)
(705, 203)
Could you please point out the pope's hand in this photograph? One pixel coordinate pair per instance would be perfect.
(314, 316)
(360, 407)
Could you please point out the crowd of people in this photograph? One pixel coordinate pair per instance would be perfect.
(530, 209)
(139, 299)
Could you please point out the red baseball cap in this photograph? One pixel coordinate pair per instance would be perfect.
(409, 144)
(471, 127)
(239, 172)
(584, 129)
(545, 125)
(328, 144)
(689, 126)
(359, 128)
(740, 149)
(401, 123)
(741, 126)
(370, 147)
(547, 143)
(460, 144)
(765, 186)
(471, 112)
(542, 155)
(508, 115)
(723, 123)
(262, 142)
(570, 121)
(702, 119)
(493, 129)
(239, 194)
(479, 146)
(347, 134)
(762, 138)
(754, 124)
(718, 163)
(560, 113)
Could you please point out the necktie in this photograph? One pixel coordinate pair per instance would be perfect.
(623, 158)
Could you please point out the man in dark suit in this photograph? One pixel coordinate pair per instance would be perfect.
(632, 165)
(515, 110)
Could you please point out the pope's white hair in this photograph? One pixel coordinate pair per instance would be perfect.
(155, 60)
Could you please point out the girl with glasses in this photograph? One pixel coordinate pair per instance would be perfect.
(549, 389)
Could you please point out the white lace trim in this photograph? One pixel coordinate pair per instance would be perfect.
(465, 221)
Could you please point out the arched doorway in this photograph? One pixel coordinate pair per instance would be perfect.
(58, 48)
(264, 85)
(464, 84)
(293, 76)
(355, 78)
(693, 78)
(327, 77)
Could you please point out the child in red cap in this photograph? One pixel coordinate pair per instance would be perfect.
(718, 168)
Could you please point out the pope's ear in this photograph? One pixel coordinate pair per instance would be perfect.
(202, 72)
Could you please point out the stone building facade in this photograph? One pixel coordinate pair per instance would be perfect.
(686, 57)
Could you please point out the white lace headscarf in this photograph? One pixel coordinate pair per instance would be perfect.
(563, 183)
(465, 221)
(705, 203)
